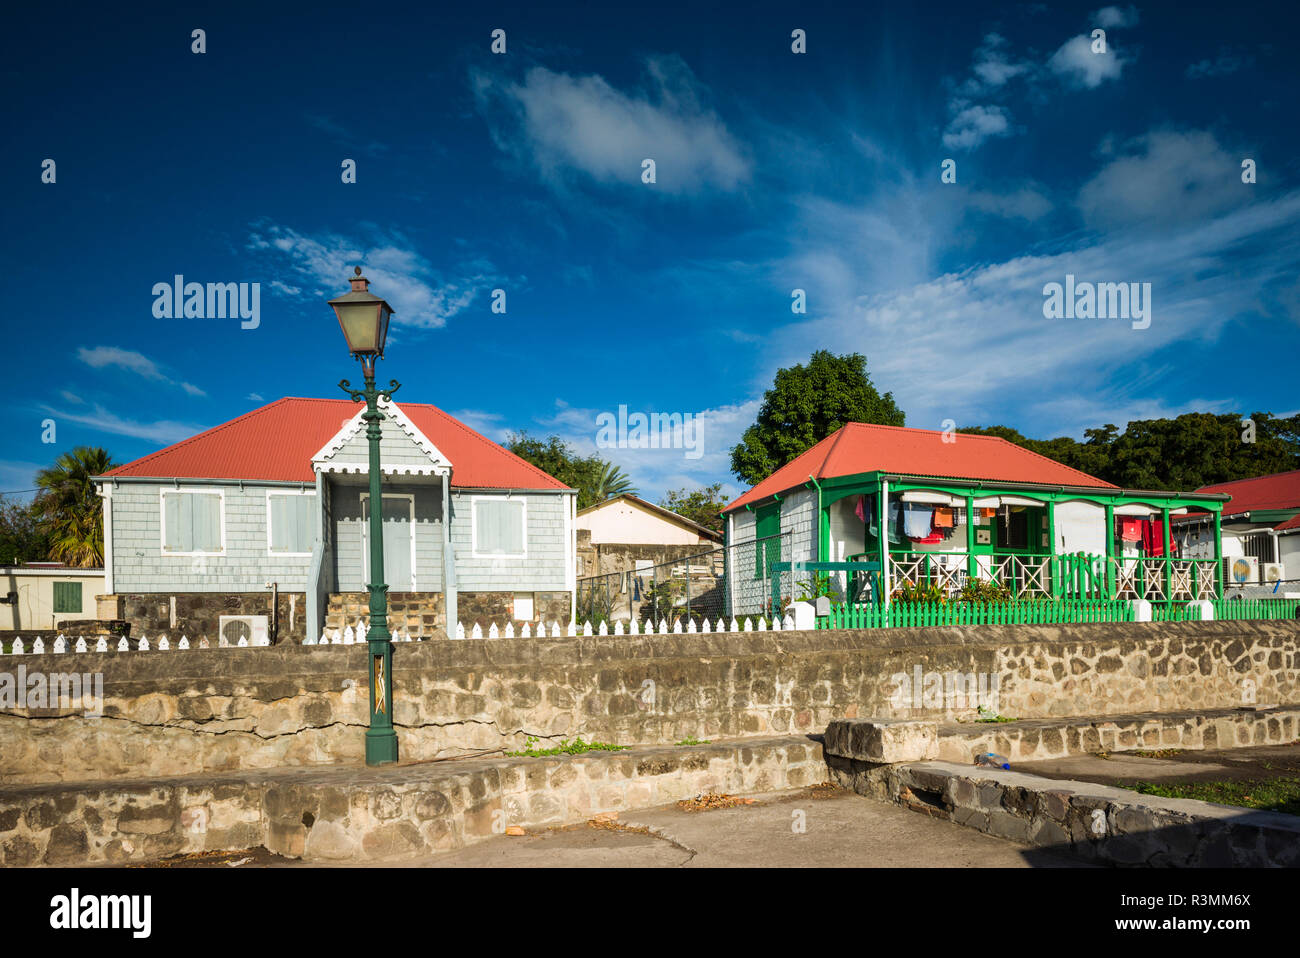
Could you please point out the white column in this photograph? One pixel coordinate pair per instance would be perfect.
(106, 493)
(448, 562)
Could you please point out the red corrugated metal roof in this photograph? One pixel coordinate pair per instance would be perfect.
(1292, 523)
(1281, 490)
(860, 447)
(277, 441)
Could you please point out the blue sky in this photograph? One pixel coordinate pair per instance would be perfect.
(818, 171)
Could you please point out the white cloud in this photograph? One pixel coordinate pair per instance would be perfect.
(1027, 203)
(563, 124)
(255, 397)
(102, 357)
(655, 471)
(992, 68)
(419, 294)
(967, 345)
(1116, 17)
(100, 419)
(1168, 177)
(975, 124)
(1224, 64)
(1080, 67)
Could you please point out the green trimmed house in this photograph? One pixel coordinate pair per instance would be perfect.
(939, 512)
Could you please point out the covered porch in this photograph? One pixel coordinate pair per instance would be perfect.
(945, 539)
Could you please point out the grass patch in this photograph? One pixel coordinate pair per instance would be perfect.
(690, 740)
(576, 747)
(1273, 795)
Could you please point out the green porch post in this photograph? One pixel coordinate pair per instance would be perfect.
(882, 540)
(1169, 555)
(970, 538)
(1110, 548)
(1218, 552)
(1053, 563)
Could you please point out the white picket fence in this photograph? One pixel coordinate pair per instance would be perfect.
(357, 635)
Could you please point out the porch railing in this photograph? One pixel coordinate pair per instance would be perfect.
(1077, 576)
(1026, 612)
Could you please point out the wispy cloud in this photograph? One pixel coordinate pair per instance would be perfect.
(100, 419)
(566, 125)
(419, 294)
(103, 357)
(1110, 18)
(1225, 63)
(1165, 177)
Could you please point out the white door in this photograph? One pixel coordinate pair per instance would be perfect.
(399, 541)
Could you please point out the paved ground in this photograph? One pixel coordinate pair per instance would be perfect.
(842, 829)
(1208, 765)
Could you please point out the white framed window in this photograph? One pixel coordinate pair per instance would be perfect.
(290, 522)
(192, 522)
(500, 527)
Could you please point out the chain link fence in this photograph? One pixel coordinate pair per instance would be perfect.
(717, 584)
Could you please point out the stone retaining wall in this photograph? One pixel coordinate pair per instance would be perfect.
(175, 713)
(373, 815)
(1098, 822)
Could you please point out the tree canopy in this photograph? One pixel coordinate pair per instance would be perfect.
(595, 479)
(805, 405)
(699, 505)
(69, 509)
(1185, 453)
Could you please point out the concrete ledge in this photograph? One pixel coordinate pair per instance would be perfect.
(883, 740)
(1097, 822)
(1034, 739)
(354, 813)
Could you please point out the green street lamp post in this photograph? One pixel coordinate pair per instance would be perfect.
(364, 319)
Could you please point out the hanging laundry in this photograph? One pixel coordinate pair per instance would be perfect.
(943, 519)
(1130, 530)
(860, 510)
(916, 522)
(1153, 537)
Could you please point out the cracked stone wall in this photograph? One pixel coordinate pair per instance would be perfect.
(175, 713)
(379, 814)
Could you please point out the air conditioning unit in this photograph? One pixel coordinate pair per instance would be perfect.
(252, 628)
(1242, 570)
(1272, 573)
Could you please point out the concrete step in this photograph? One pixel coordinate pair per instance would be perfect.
(345, 813)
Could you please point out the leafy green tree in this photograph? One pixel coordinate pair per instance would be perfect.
(70, 510)
(611, 482)
(22, 538)
(699, 505)
(1181, 454)
(595, 479)
(804, 406)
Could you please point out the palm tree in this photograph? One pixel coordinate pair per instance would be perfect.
(611, 482)
(69, 508)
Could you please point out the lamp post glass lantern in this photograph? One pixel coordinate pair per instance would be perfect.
(363, 317)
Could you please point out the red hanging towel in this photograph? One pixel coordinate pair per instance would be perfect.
(860, 509)
(1153, 537)
(1130, 530)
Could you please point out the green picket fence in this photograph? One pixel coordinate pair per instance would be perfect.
(1044, 612)
(1255, 608)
